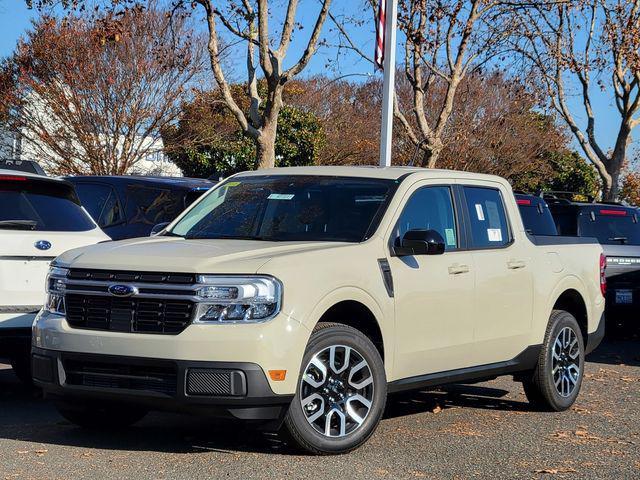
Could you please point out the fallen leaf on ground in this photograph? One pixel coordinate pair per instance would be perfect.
(437, 409)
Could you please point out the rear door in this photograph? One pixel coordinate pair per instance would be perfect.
(504, 282)
(39, 220)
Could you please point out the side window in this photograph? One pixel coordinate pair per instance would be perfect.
(430, 208)
(150, 206)
(101, 202)
(489, 226)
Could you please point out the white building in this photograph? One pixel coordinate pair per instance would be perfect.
(25, 145)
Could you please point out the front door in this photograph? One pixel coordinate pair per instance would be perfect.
(433, 293)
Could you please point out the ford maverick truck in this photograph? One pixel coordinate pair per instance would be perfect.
(301, 297)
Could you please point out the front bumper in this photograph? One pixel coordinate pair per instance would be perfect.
(274, 345)
(219, 389)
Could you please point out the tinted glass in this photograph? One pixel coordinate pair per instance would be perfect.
(101, 202)
(281, 208)
(430, 208)
(489, 227)
(566, 221)
(537, 219)
(610, 229)
(150, 206)
(42, 206)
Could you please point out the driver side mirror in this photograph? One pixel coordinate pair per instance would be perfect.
(158, 228)
(419, 242)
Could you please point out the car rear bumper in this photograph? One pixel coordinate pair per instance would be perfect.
(219, 389)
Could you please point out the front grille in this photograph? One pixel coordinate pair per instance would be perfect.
(158, 378)
(143, 277)
(133, 315)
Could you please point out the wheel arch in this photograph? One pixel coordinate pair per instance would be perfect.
(572, 301)
(356, 308)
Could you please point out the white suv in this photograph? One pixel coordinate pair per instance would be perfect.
(40, 218)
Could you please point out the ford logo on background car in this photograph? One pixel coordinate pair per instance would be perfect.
(122, 290)
(42, 245)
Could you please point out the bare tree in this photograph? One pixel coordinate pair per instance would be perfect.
(89, 95)
(248, 21)
(444, 42)
(575, 49)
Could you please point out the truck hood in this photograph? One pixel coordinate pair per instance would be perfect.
(173, 254)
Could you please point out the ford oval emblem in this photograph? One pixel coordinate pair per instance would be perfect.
(42, 245)
(122, 290)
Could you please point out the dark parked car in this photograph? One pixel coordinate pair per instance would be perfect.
(28, 166)
(617, 229)
(536, 215)
(130, 206)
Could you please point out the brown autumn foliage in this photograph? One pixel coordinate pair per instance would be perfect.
(494, 127)
(83, 91)
(630, 191)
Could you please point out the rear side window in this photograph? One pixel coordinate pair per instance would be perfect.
(41, 206)
(150, 206)
(537, 218)
(488, 220)
(101, 202)
(430, 208)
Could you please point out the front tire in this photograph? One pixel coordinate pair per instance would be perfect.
(105, 416)
(22, 369)
(555, 383)
(341, 393)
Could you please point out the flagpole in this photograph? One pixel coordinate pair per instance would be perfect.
(388, 90)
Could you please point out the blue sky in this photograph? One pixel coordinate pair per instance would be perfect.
(15, 19)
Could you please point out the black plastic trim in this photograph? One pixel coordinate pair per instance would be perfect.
(527, 360)
(594, 339)
(547, 240)
(387, 276)
(259, 403)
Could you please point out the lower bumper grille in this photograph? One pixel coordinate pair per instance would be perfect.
(133, 315)
(150, 378)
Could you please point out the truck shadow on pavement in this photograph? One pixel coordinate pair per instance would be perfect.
(26, 417)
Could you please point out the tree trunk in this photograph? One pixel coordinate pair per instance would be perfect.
(431, 155)
(266, 145)
(615, 164)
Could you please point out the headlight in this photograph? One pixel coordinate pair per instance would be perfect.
(55, 287)
(248, 299)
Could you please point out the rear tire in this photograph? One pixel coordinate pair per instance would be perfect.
(555, 383)
(341, 394)
(100, 415)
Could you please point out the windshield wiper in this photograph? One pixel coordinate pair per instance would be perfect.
(19, 224)
(622, 240)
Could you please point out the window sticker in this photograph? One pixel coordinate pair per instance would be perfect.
(281, 196)
(495, 234)
(450, 236)
(232, 184)
(479, 212)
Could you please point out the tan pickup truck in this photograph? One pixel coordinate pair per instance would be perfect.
(302, 297)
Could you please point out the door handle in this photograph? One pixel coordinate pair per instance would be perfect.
(516, 264)
(457, 269)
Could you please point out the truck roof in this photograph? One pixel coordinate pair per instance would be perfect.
(392, 173)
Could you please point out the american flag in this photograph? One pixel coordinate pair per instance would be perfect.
(380, 31)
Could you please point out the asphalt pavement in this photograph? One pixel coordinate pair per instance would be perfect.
(487, 430)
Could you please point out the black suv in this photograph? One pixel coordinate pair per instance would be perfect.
(130, 206)
(617, 229)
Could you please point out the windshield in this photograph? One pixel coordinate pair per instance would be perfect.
(41, 206)
(289, 208)
(611, 230)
